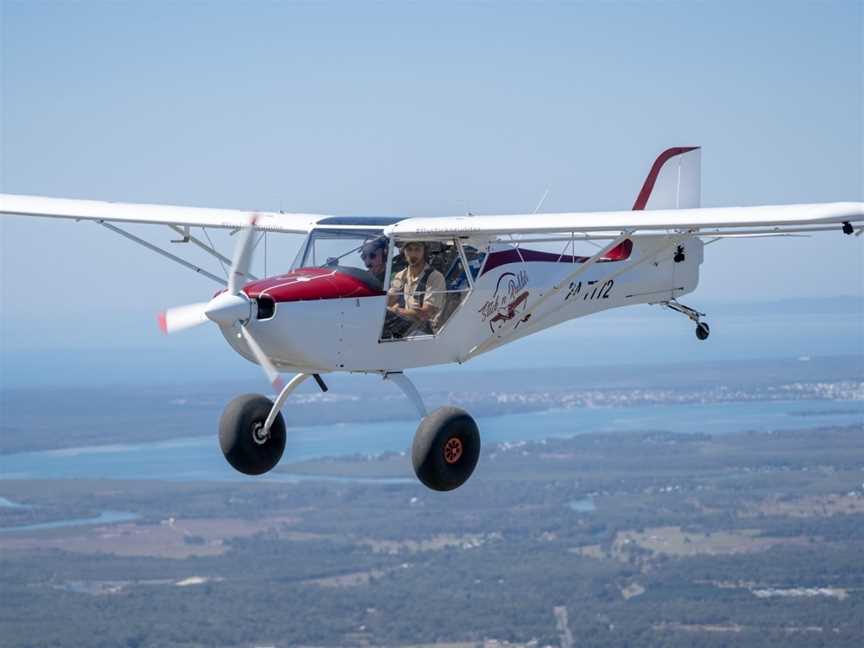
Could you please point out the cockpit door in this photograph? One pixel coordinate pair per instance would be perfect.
(426, 283)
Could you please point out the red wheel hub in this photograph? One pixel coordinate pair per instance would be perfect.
(453, 450)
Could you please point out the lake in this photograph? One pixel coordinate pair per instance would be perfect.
(105, 517)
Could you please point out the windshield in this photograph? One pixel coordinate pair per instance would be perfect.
(362, 253)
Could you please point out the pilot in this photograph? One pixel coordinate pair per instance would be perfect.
(374, 255)
(417, 294)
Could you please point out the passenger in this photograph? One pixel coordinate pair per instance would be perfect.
(374, 255)
(417, 294)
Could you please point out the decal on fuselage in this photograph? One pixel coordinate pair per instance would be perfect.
(508, 300)
(589, 290)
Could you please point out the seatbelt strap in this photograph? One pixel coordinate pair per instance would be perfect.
(421, 285)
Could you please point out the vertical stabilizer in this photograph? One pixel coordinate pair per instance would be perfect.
(674, 182)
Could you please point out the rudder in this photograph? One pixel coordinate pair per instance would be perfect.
(674, 182)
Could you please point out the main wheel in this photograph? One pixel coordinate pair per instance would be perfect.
(702, 330)
(446, 448)
(242, 438)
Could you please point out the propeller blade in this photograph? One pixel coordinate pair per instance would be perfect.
(242, 258)
(262, 359)
(182, 317)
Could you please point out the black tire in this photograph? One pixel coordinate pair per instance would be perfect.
(703, 330)
(241, 419)
(446, 448)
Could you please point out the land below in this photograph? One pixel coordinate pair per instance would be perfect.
(649, 539)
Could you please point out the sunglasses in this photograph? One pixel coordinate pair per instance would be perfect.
(369, 255)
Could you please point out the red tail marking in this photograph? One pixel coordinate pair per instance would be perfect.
(663, 158)
(163, 322)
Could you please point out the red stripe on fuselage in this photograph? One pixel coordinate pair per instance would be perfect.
(619, 253)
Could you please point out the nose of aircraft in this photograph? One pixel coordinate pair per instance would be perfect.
(226, 308)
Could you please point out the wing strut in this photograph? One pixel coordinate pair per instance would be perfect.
(497, 339)
(164, 253)
(209, 249)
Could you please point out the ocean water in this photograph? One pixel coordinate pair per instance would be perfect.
(199, 458)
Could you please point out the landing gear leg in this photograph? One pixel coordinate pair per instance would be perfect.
(404, 383)
(293, 384)
(446, 445)
(702, 328)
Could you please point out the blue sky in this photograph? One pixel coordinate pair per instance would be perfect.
(410, 109)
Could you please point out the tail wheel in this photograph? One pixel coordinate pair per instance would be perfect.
(246, 445)
(446, 448)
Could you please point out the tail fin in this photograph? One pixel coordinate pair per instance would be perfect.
(674, 182)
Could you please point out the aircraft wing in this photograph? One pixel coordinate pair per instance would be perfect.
(154, 214)
(708, 222)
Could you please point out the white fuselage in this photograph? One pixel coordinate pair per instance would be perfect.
(344, 334)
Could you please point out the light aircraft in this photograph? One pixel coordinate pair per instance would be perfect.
(382, 295)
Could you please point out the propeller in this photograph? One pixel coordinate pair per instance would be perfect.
(182, 317)
(269, 370)
(227, 308)
(242, 258)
